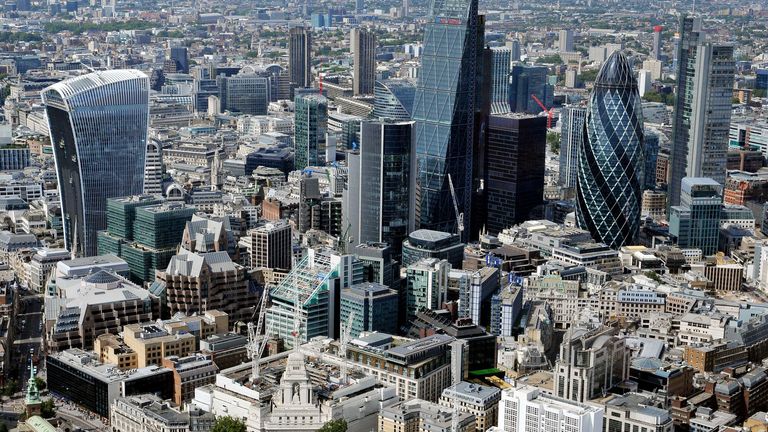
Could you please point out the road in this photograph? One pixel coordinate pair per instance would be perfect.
(84, 420)
(28, 338)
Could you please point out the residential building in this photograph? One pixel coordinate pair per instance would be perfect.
(300, 57)
(363, 47)
(152, 343)
(99, 145)
(189, 373)
(271, 245)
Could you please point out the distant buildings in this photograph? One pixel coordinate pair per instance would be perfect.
(310, 125)
(300, 57)
(363, 47)
(611, 162)
(526, 82)
(98, 127)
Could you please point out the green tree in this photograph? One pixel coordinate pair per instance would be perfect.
(41, 384)
(553, 141)
(339, 425)
(228, 424)
(3, 427)
(758, 93)
(48, 409)
(10, 387)
(653, 276)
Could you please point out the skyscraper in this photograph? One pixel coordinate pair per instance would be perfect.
(515, 156)
(695, 223)
(300, 57)
(611, 162)
(245, 93)
(501, 64)
(571, 137)
(565, 41)
(153, 168)
(310, 124)
(393, 99)
(98, 128)
(363, 43)
(180, 57)
(443, 112)
(702, 113)
(656, 49)
(527, 81)
(376, 194)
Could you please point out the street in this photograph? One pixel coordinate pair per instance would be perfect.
(28, 336)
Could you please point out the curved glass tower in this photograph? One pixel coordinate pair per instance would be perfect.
(393, 99)
(98, 127)
(610, 179)
(443, 114)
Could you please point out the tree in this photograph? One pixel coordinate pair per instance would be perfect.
(228, 424)
(41, 384)
(10, 387)
(3, 427)
(339, 425)
(48, 409)
(553, 141)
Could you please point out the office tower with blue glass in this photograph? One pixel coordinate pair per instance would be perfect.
(393, 99)
(444, 115)
(376, 196)
(572, 119)
(180, 58)
(695, 223)
(98, 128)
(363, 45)
(369, 307)
(526, 82)
(702, 114)
(501, 64)
(310, 124)
(300, 57)
(651, 151)
(245, 93)
(611, 163)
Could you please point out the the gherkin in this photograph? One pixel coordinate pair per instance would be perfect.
(611, 161)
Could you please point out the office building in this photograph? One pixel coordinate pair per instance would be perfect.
(478, 400)
(695, 223)
(393, 99)
(153, 169)
(271, 245)
(515, 155)
(633, 411)
(14, 157)
(444, 137)
(204, 233)
(300, 57)
(98, 127)
(527, 409)
(147, 412)
(656, 48)
(475, 296)
(651, 152)
(88, 305)
(144, 231)
(565, 41)
(702, 111)
(572, 119)
(433, 244)
(200, 282)
(501, 64)
(611, 162)
(644, 81)
(591, 362)
(245, 93)
(526, 82)
(375, 308)
(180, 58)
(363, 46)
(420, 415)
(189, 373)
(426, 285)
(152, 343)
(375, 200)
(77, 376)
(310, 125)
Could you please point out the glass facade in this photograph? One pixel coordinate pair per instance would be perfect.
(247, 94)
(695, 223)
(98, 129)
(393, 99)
(300, 57)
(443, 111)
(501, 60)
(310, 123)
(376, 199)
(572, 133)
(527, 81)
(651, 151)
(611, 162)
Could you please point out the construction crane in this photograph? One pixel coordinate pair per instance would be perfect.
(459, 216)
(550, 112)
(343, 342)
(255, 343)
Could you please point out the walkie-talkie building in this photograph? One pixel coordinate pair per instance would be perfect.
(611, 163)
(98, 128)
(443, 112)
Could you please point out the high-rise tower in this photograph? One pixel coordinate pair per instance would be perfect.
(443, 111)
(310, 124)
(656, 49)
(702, 114)
(610, 180)
(572, 135)
(300, 57)
(363, 44)
(98, 129)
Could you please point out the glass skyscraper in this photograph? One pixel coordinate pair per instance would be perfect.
(611, 162)
(695, 223)
(443, 113)
(501, 63)
(98, 129)
(376, 193)
(571, 136)
(702, 113)
(527, 81)
(393, 99)
(310, 124)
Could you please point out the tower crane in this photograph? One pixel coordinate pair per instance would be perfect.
(459, 216)
(343, 342)
(550, 112)
(256, 344)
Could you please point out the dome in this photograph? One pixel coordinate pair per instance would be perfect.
(616, 72)
(101, 277)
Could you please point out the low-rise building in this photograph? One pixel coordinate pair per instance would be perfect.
(477, 400)
(189, 373)
(421, 416)
(149, 413)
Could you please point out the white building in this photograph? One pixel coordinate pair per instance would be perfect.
(644, 80)
(527, 409)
